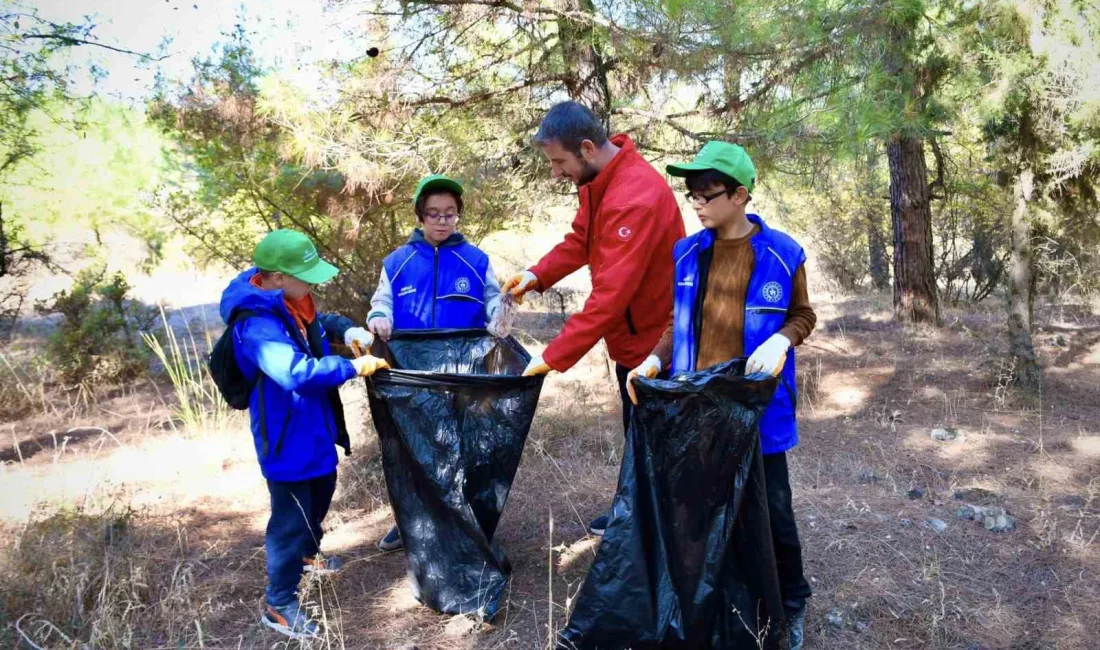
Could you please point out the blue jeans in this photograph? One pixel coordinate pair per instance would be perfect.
(294, 532)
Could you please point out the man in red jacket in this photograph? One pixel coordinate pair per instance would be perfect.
(625, 228)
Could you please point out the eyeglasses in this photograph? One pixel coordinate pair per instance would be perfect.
(703, 199)
(447, 217)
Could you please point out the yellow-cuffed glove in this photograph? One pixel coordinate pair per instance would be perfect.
(648, 369)
(367, 365)
(519, 284)
(536, 367)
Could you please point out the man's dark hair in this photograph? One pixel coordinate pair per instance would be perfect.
(427, 194)
(570, 124)
(701, 181)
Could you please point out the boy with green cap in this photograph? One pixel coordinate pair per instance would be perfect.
(436, 280)
(740, 289)
(281, 345)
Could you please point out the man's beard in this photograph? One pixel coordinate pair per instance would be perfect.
(588, 173)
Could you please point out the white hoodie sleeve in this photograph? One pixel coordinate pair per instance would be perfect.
(492, 292)
(381, 303)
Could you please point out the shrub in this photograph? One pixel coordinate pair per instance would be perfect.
(98, 339)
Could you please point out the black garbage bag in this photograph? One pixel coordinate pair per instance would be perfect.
(452, 418)
(687, 558)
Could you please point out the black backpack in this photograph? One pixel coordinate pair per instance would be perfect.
(231, 382)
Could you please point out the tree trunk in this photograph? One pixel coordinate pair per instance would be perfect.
(1020, 288)
(911, 214)
(3, 245)
(877, 263)
(587, 82)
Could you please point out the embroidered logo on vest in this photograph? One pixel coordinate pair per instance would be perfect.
(406, 290)
(772, 292)
(462, 285)
(686, 282)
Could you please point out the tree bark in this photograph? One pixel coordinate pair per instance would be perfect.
(3, 245)
(911, 214)
(1026, 372)
(586, 81)
(877, 263)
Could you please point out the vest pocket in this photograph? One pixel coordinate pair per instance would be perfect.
(459, 311)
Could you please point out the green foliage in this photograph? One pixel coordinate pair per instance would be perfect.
(98, 338)
(97, 178)
(263, 157)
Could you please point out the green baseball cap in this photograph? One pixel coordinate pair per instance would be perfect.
(292, 253)
(726, 157)
(436, 181)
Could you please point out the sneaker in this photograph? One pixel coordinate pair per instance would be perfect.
(290, 621)
(321, 565)
(391, 542)
(796, 621)
(597, 526)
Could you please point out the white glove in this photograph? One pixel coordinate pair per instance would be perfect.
(360, 336)
(536, 367)
(519, 284)
(381, 326)
(648, 369)
(770, 356)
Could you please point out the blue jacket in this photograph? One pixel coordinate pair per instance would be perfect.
(297, 418)
(777, 257)
(444, 287)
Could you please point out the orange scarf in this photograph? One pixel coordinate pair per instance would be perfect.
(303, 310)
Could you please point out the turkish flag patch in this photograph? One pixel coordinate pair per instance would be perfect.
(625, 233)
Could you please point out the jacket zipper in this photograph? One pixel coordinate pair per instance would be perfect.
(591, 224)
(282, 434)
(435, 281)
(770, 310)
(630, 323)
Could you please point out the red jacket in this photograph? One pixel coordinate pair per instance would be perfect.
(624, 231)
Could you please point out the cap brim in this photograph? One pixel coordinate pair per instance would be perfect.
(319, 274)
(686, 168)
(442, 183)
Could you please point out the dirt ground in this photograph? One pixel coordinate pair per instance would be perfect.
(117, 524)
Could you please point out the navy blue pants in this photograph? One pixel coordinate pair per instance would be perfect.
(294, 532)
(788, 550)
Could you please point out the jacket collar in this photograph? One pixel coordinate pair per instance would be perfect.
(417, 237)
(706, 236)
(598, 187)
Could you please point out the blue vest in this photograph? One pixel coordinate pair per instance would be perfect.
(440, 287)
(777, 257)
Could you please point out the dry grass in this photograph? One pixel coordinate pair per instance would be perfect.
(139, 535)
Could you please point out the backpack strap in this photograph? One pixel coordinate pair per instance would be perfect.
(238, 316)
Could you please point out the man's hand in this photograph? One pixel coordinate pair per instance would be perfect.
(381, 326)
(536, 367)
(519, 284)
(769, 357)
(649, 369)
(367, 365)
(357, 336)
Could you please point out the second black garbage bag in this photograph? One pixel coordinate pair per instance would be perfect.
(452, 418)
(687, 558)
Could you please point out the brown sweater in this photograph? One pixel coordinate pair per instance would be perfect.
(722, 335)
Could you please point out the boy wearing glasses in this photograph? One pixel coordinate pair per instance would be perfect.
(435, 280)
(740, 289)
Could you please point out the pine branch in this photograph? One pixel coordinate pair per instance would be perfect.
(76, 42)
